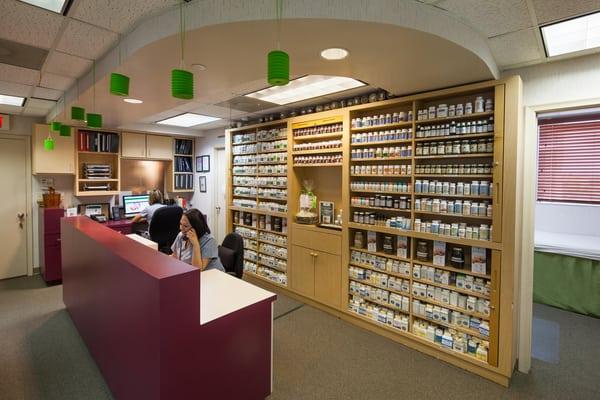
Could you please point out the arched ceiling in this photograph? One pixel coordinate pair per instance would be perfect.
(401, 47)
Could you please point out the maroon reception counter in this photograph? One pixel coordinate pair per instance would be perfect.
(160, 329)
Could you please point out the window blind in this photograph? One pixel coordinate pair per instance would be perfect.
(569, 162)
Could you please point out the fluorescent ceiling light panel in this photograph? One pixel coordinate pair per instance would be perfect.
(57, 6)
(12, 100)
(133, 101)
(304, 88)
(188, 119)
(576, 34)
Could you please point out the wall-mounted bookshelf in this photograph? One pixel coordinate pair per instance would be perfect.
(97, 161)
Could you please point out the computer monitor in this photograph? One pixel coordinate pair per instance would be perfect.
(135, 204)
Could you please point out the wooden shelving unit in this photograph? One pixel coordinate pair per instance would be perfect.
(181, 170)
(256, 151)
(97, 147)
(315, 254)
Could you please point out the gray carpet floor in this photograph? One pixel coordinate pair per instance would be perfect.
(316, 356)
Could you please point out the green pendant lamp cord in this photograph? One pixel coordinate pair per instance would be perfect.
(182, 34)
(279, 13)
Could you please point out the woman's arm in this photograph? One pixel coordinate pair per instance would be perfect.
(137, 218)
(197, 260)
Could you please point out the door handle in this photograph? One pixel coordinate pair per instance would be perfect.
(21, 217)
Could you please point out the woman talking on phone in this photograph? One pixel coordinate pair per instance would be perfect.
(194, 244)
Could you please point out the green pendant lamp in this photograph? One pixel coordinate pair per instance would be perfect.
(49, 143)
(182, 84)
(94, 120)
(278, 73)
(278, 61)
(55, 126)
(119, 84)
(65, 130)
(182, 81)
(78, 113)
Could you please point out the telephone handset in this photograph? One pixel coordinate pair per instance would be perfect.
(99, 217)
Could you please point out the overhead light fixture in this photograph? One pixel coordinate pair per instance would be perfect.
(12, 100)
(573, 35)
(199, 67)
(133, 101)
(188, 119)
(334, 53)
(304, 88)
(57, 6)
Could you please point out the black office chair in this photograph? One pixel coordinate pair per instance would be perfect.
(165, 227)
(231, 254)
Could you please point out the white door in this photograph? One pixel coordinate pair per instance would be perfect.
(13, 211)
(220, 194)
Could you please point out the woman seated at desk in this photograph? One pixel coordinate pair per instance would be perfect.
(155, 201)
(194, 244)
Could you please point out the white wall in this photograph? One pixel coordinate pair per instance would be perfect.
(205, 146)
(573, 80)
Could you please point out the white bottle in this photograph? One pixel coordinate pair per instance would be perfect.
(479, 104)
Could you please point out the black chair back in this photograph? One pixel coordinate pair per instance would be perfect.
(231, 253)
(165, 227)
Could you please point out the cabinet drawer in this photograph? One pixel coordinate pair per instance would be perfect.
(330, 243)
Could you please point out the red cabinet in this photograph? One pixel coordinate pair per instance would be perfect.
(49, 237)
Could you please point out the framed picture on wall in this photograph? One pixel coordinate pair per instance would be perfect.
(199, 164)
(206, 163)
(202, 184)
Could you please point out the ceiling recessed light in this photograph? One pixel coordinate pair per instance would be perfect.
(57, 6)
(199, 67)
(133, 101)
(12, 100)
(576, 34)
(334, 53)
(304, 88)
(188, 119)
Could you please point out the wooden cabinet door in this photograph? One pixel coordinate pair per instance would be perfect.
(328, 278)
(159, 147)
(303, 271)
(61, 160)
(133, 145)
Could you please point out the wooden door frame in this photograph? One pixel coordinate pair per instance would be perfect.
(215, 181)
(529, 179)
(28, 202)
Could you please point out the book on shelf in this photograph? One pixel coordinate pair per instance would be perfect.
(183, 146)
(101, 142)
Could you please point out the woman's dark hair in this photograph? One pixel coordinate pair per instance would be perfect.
(197, 221)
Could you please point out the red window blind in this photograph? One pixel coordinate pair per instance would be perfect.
(569, 162)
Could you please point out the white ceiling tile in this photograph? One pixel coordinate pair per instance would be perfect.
(27, 24)
(35, 112)
(57, 82)
(40, 103)
(119, 15)
(4, 109)
(15, 89)
(25, 76)
(516, 47)
(492, 17)
(553, 10)
(45, 93)
(85, 40)
(66, 64)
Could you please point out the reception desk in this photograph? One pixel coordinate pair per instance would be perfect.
(160, 329)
